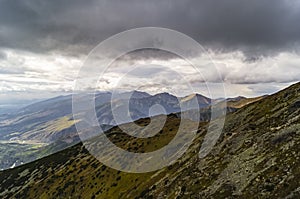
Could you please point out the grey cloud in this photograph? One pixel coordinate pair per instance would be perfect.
(145, 54)
(12, 71)
(146, 71)
(266, 88)
(256, 27)
(3, 55)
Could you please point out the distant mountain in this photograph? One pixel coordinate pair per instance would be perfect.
(42, 121)
(138, 108)
(51, 121)
(132, 94)
(239, 102)
(257, 156)
(236, 99)
(202, 100)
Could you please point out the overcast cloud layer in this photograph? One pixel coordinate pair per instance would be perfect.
(255, 27)
(43, 43)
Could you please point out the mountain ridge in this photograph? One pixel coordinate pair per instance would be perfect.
(51, 121)
(256, 155)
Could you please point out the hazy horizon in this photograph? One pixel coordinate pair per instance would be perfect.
(6, 107)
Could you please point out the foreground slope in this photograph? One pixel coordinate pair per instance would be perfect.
(257, 156)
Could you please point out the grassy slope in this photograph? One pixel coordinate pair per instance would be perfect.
(75, 172)
(15, 153)
(27, 147)
(257, 156)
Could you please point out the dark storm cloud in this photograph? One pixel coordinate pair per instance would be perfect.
(146, 54)
(255, 27)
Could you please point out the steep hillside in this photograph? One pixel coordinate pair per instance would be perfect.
(257, 156)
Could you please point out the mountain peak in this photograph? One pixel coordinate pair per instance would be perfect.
(135, 94)
(202, 100)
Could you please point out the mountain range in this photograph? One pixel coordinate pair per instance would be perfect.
(257, 156)
(48, 126)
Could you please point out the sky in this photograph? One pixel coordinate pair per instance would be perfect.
(43, 44)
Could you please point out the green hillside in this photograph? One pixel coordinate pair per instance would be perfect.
(257, 156)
